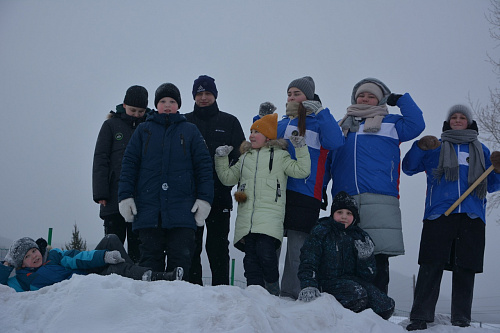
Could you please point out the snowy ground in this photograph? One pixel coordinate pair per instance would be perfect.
(96, 303)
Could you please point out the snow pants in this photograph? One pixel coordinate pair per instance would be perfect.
(358, 295)
(260, 261)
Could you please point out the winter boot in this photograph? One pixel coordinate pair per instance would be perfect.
(416, 325)
(273, 288)
(176, 274)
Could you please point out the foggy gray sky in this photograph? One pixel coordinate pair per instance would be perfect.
(64, 65)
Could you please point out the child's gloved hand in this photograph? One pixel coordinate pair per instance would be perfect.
(308, 294)
(113, 257)
(365, 249)
(297, 141)
(313, 106)
(201, 209)
(222, 151)
(127, 209)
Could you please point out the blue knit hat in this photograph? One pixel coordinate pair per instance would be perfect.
(204, 83)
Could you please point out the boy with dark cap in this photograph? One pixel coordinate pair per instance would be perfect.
(38, 266)
(112, 140)
(338, 258)
(167, 172)
(218, 128)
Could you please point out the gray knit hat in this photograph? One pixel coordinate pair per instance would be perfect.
(305, 84)
(18, 250)
(385, 90)
(463, 109)
(371, 88)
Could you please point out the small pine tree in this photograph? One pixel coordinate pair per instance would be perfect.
(76, 243)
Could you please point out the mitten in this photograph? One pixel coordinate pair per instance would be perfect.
(313, 106)
(308, 294)
(223, 150)
(42, 245)
(113, 257)
(201, 209)
(127, 209)
(365, 249)
(297, 141)
(266, 108)
(428, 142)
(495, 160)
(392, 100)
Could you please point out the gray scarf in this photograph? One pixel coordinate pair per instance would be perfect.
(448, 161)
(357, 112)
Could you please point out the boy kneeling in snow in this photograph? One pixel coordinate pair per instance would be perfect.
(338, 258)
(38, 267)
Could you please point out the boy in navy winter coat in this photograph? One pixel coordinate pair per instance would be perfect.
(338, 258)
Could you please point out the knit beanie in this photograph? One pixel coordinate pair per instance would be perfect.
(343, 200)
(463, 109)
(204, 83)
(267, 125)
(136, 96)
(305, 84)
(18, 250)
(381, 85)
(371, 88)
(168, 90)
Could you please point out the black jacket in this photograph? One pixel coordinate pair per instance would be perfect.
(218, 128)
(110, 146)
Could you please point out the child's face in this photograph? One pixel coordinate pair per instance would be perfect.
(204, 98)
(458, 121)
(167, 105)
(32, 259)
(343, 216)
(367, 98)
(296, 95)
(134, 111)
(257, 139)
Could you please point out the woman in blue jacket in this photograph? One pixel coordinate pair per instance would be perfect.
(454, 242)
(305, 116)
(167, 172)
(367, 165)
(37, 266)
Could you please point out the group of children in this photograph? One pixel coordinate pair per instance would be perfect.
(165, 188)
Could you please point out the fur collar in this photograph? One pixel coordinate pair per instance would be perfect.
(246, 146)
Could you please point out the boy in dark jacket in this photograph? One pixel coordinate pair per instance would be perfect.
(167, 172)
(338, 258)
(37, 266)
(110, 146)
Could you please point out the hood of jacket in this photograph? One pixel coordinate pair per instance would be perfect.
(246, 146)
(385, 90)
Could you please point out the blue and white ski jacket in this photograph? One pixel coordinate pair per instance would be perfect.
(370, 162)
(442, 194)
(322, 134)
(59, 266)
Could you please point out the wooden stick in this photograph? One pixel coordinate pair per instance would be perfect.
(469, 190)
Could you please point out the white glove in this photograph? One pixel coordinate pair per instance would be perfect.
(201, 209)
(127, 209)
(365, 249)
(313, 106)
(297, 141)
(308, 294)
(113, 257)
(223, 150)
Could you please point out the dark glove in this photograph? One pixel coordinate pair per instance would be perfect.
(42, 245)
(266, 108)
(428, 142)
(392, 100)
(495, 160)
(324, 200)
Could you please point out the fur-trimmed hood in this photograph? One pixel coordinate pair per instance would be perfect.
(246, 146)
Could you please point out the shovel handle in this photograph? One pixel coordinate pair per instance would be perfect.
(469, 190)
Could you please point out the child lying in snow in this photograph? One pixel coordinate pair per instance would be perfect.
(38, 267)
